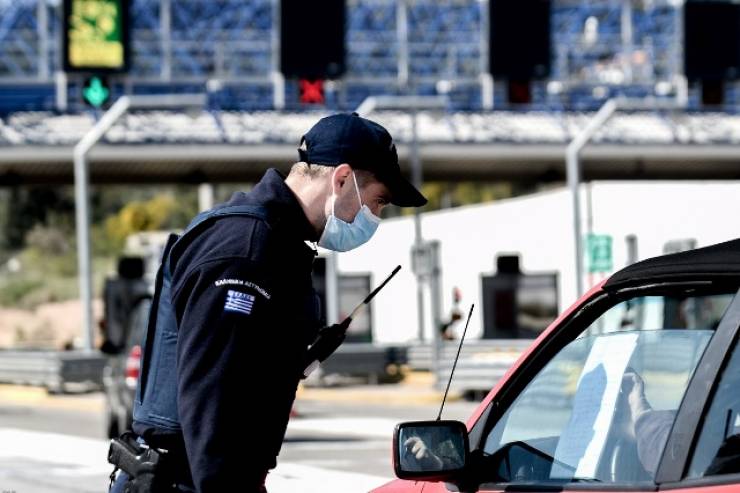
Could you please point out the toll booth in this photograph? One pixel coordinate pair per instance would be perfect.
(517, 305)
(351, 290)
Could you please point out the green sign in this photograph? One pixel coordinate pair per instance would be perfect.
(95, 35)
(599, 251)
(95, 92)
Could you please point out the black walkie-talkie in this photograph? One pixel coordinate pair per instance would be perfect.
(331, 337)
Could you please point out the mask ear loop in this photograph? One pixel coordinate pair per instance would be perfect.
(333, 193)
(357, 189)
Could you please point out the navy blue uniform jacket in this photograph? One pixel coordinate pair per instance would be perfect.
(246, 311)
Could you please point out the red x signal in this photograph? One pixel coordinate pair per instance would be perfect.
(312, 91)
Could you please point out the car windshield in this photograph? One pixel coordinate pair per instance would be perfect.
(603, 406)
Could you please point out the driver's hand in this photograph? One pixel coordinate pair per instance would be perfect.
(637, 401)
(417, 448)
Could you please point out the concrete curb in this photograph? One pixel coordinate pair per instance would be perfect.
(416, 388)
(20, 395)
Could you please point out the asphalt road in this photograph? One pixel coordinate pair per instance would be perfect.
(57, 443)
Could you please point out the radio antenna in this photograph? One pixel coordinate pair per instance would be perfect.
(454, 365)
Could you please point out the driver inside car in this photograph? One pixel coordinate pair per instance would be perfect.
(647, 427)
(418, 453)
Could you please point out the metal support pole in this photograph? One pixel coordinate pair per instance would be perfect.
(82, 186)
(679, 78)
(82, 212)
(486, 79)
(632, 255)
(573, 172)
(402, 36)
(487, 88)
(627, 44)
(205, 196)
(332, 288)
(417, 180)
(435, 295)
(678, 38)
(165, 29)
(278, 81)
(573, 168)
(411, 104)
(60, 85)
(42, 29)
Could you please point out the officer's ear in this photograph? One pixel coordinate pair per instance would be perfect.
(341, 176)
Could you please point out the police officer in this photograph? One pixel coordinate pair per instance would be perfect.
(246, 310)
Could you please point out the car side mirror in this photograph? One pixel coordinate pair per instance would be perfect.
(430, 450)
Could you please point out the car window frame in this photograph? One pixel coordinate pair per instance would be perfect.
(569, 330)
(689, 421)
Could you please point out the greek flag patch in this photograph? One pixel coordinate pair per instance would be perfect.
(239, 302)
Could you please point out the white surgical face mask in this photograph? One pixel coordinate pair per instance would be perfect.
(341, 236)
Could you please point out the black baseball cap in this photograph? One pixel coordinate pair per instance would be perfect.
(363, 144)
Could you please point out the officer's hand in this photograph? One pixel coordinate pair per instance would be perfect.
(327, 341)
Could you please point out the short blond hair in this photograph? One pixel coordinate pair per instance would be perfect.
(311, 170)
(320, 170)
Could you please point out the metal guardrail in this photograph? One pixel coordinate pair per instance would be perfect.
(51, 369)
(482, 362)
(366, 360)
(420, 355)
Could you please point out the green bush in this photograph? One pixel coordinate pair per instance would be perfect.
(13, 291)
(48, 253)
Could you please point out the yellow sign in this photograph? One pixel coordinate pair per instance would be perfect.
(95, 32)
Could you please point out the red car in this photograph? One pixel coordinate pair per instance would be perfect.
(636, 387)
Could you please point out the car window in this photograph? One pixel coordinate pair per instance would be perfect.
(602, 408)
(718, 448)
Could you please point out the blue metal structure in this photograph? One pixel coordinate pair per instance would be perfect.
(229, 47)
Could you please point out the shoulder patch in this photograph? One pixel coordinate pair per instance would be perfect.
(239, 302)
(245, 283)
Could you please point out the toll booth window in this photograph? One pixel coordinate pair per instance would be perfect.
(518, 306)
(352, 290)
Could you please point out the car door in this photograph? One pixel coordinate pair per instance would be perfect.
(704, 451)
(598, 402)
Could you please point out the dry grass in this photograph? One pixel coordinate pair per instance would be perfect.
(49, 325)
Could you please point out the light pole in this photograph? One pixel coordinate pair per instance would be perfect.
(412, 105)
(581, 139)
(82, 186)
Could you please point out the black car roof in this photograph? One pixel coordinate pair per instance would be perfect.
(715, 262)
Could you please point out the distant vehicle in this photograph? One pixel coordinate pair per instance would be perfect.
(633, 388)
(122, 372)
(127, 298)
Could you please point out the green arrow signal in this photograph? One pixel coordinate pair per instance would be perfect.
(96, 93)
